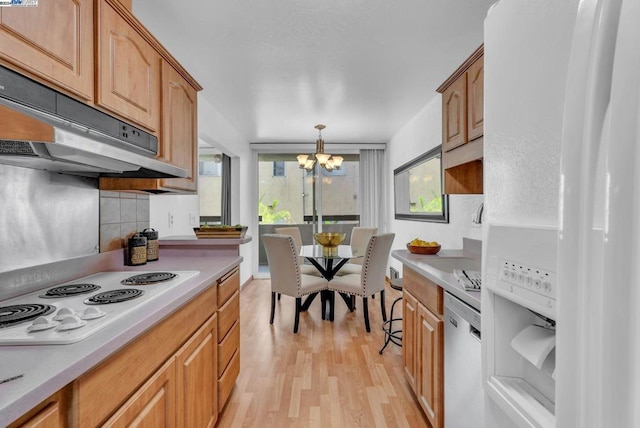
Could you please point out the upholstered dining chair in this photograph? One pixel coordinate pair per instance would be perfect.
(286, 277)
(359, 240)
(294, 231)
(372, 279)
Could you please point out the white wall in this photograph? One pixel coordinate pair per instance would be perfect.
(419, 135)
(173, 214)
(216, 131)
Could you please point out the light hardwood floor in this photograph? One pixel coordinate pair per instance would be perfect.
(327, 375)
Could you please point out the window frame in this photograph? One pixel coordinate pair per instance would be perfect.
(443, 216)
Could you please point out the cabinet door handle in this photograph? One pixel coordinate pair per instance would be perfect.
(227, 275)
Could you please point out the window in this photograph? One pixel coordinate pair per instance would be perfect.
(210, 167)
(418, 189)
(210, 187)
(291, 197)
(278, 169)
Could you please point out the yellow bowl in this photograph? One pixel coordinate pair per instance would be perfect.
(327, 239)
(415, 249)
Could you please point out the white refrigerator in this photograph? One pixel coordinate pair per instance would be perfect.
(562, 196)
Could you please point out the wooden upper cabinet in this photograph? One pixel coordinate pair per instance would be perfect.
(463, 126)
(475, 99)
(178, 139)
(52, 42)
(127, 4)
(140, 80)
(129, 74)
(128, 69)
(454, 114)
(179, 144)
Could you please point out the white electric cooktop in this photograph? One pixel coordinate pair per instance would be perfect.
(71, 312)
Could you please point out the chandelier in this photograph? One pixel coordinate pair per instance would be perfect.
(325, 160)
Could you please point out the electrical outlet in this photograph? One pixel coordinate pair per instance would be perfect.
(170, 220)
(193, 221)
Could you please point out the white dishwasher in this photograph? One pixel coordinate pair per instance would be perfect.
(463, 395)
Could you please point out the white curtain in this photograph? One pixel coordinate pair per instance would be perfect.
(225, 212)
(373, 189)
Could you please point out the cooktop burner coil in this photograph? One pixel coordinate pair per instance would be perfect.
(69, 290)
(114, 296)
(149, 278)
(16, 314)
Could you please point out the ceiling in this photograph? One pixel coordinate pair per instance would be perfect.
(274, 69)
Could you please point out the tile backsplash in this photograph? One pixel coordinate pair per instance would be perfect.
(121, 215)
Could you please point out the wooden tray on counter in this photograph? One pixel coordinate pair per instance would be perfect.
(220, 232)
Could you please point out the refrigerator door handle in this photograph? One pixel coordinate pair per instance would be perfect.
(475, 333)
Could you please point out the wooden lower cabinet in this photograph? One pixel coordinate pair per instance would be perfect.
(409, 340)
(228, 335)
(183, 392)
(96, 396)
(423, 343)
(430, 353)
(196, 376)
(180, 373)
(51, 413)
(153, 405)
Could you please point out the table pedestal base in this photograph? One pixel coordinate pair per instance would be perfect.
(328, 302)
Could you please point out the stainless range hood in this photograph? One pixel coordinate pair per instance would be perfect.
(44, 129)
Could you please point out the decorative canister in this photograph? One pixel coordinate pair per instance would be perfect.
(153, 248)
(137, 250)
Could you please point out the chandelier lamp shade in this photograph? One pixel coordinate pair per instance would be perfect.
(325, 160)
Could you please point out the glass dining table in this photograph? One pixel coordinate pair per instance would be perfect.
(328, 261)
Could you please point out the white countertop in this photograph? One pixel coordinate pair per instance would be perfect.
(446, 280)
(46, 369)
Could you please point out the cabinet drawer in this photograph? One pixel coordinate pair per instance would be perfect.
(227, 347)
(228, 314)
(227, 285)
(228, 379)
(427, 292)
